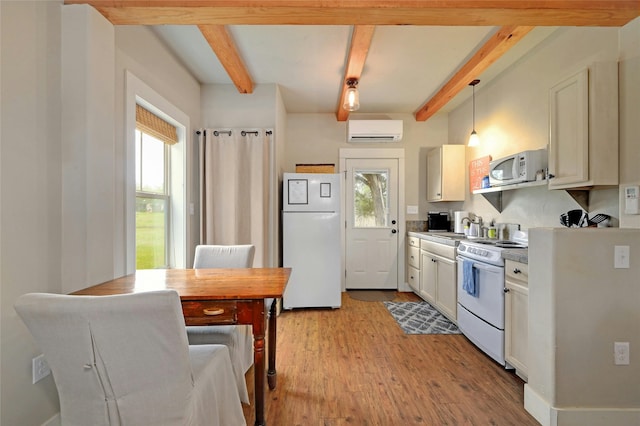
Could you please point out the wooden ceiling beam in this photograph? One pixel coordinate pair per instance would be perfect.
(223, 46)
(368, 12)
(358, 51)
(498, 44)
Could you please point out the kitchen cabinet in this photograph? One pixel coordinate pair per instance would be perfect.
(438, 277)
(446, 173)
(516, 310)
(413, 263)
(583, 129)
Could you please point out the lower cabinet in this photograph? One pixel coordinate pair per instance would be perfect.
(438, 277)
(516, 345)
(413, 263)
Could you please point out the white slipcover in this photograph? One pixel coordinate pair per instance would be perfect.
(125, 360)
(238, 338)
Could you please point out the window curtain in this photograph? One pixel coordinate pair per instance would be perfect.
(234, 177)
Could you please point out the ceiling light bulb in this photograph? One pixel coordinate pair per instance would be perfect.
(474, 139)
(352, 97)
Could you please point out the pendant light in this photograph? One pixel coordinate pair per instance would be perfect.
(352, 97)
(474, 139)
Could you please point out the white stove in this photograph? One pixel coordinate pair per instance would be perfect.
(481, 292)
(490, 251)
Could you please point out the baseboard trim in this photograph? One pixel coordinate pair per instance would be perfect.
(547, 415)
(538, 407)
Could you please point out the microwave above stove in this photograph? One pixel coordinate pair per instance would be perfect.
(517, 168)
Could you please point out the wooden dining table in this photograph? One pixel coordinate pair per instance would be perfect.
(219, 296)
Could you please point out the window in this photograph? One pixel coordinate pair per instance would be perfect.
(152, 170)
(371, 199)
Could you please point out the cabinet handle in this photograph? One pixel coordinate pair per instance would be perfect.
(213, 311)
(411, 276)
(517, 271)
(506, 290)
(550, 176)
(393, 231)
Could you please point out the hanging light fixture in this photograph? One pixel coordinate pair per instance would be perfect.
(474, 139)
(352, 97)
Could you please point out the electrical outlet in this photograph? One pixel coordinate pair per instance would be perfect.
(39, 368)
(621, 257)
(621, 353)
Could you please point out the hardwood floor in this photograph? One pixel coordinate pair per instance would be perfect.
(355, 366)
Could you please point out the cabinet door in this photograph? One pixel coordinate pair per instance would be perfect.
(516, 326)
(428, 277)
(434, 175)
(446, 290)
(569, 131)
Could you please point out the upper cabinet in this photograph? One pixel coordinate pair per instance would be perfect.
(446, 173)
(583, 129)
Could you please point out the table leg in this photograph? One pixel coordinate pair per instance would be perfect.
(259, 315)
(271, 371)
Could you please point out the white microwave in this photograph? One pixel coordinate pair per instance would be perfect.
(517, 168)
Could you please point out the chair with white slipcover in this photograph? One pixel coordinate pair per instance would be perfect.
(238, 338)
(125, 360)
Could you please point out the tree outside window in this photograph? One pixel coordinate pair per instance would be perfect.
(371, 199)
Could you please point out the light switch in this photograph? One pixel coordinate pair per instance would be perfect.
(621, 257)
(412, 209)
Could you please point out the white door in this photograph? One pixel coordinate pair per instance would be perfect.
(371, 212)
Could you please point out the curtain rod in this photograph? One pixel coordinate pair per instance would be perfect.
(243, 133)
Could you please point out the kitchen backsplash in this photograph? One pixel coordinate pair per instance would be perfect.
(416, 225)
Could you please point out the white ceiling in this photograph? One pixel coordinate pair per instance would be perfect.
(406, 65)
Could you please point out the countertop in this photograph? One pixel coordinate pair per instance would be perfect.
(446, 238)
(451, 239)
(519, 255)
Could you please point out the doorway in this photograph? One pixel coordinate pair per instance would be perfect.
(374, 219)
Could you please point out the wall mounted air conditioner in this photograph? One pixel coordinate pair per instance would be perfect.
(374, 130)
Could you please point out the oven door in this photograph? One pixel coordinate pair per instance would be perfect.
(489, 305)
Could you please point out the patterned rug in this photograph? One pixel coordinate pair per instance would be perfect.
(420, 318)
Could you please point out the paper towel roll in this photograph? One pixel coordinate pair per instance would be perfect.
(458, 227)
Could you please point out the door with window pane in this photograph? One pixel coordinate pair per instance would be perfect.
(152, 202)
(371, 228)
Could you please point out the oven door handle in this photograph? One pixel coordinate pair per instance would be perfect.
(482, 266)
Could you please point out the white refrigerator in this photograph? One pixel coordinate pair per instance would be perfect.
(311, 240)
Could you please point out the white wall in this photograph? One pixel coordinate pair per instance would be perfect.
(62, 166)
(223, 106)
(88, 156)
(629, 122)
(512, 115)
(317, 138)
(31, 194)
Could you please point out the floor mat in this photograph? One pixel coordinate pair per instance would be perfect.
(420, 318)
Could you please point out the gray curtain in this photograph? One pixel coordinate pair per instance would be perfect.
(234, 190)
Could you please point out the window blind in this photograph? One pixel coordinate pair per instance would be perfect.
(155, 126)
